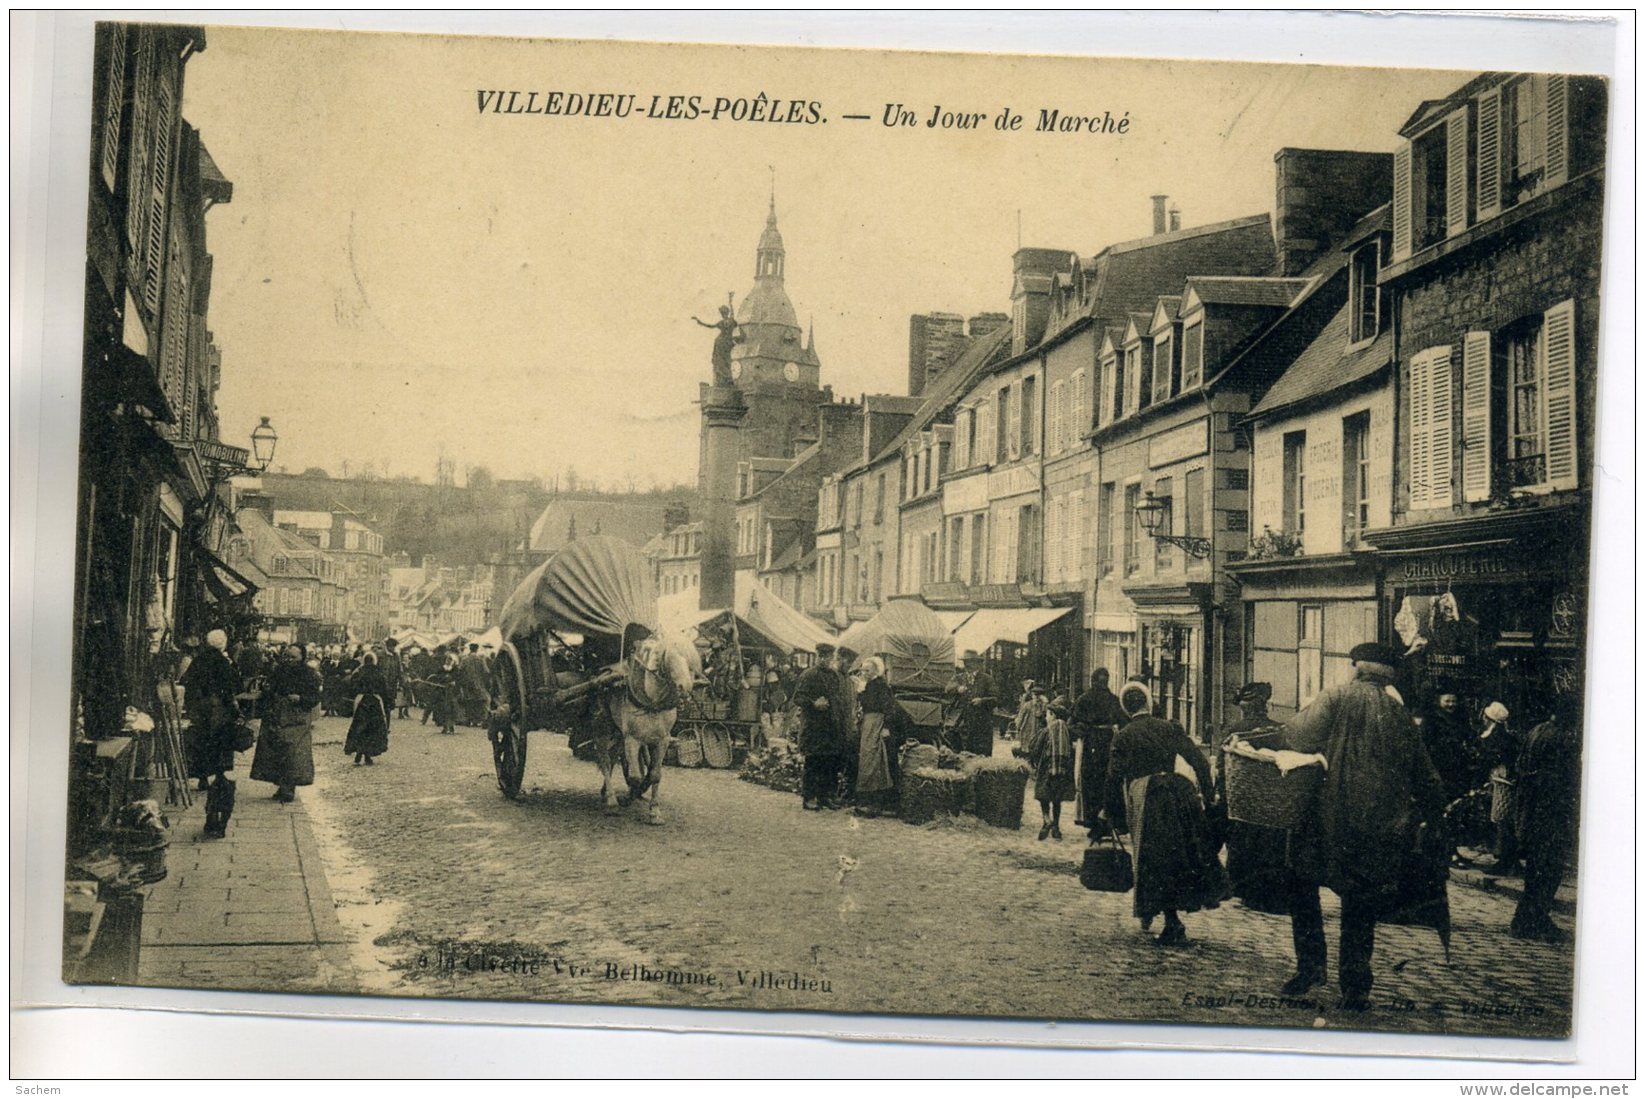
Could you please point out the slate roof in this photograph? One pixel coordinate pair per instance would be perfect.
(633, 522)
(1130, 276)
(1326, 364)
(946, 388)
(791, 468)
(1273, 293)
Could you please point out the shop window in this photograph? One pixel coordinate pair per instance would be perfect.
(1364, 296)
(1296, 482)
(1356, 474)
(1118, 649)
(1172, 653)
(1310, 653)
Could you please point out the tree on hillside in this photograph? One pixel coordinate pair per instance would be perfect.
(480, 479)
(315, 471)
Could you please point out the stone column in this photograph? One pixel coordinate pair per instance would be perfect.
(723, 412)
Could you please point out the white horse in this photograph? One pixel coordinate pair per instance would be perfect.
(641, 717)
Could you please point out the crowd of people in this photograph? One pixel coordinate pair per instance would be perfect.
(282, 688)
(1382, 832)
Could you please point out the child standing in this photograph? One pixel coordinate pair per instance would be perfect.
(1050, 750)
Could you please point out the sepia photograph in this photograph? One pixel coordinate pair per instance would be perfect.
(873, 532)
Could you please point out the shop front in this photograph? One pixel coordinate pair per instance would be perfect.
(1304, 616)
(1492, 608)
(1173, 650)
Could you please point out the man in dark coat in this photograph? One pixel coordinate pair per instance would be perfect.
(1379, 787)
(1546, 793)
(850, 718)
(474, 688)
(819, 698)
(975, 727)
(1095, 718)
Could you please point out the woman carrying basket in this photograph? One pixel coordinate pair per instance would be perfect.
(1176, 859)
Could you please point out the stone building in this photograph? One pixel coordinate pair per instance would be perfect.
(1493, 284)
(359, 550)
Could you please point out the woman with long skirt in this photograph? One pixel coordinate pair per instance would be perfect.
(211, 684)
(882, 719)
(285, 748)
(368, 731)
(1175, 857)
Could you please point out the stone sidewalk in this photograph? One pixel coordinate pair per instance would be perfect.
(252, 911)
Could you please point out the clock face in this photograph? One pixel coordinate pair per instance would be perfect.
(736, 370)
(792, 372)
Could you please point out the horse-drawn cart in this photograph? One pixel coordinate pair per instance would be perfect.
(566, 630)
(918, 651)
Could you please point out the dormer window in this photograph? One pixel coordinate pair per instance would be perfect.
(1430, 206)
(1364, 296)
(1193, 353)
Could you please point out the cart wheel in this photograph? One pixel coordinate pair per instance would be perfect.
(507, 727)
(716, 745)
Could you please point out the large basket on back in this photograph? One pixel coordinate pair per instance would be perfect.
(1259, 793)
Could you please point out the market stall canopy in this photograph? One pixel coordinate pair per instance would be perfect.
(758, 609)
(991, 625)
(916, 644)
(953, 620)
(492, 637)
(596, 584)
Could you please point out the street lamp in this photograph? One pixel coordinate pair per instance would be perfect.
(263, 440)
(1151, 512)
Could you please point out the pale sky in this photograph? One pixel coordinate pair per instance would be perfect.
(399, 273)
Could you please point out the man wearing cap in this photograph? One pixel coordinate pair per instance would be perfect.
(1379, 786)
(818, 697)
(975, 727)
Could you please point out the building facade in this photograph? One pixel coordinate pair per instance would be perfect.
(359, 549)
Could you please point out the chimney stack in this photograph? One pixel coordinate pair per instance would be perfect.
(1176, 218)
(1159, 213)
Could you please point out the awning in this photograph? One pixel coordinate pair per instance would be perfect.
(758, 608)
(222, 581)
(989, 626)
(953, 620)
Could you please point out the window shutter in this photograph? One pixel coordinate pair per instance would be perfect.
(114, 100)
(1559, 405)
(1421, 433)
(1456, 172)
(1489, 159)
(1402, 201)
(1559, 130)
(985, 432)
(137, 171)
(1076, 535)
(158, 194)
(1082, 408)
(1070, 403)
(1440, 432)
(1105, 395)
(1476, 416)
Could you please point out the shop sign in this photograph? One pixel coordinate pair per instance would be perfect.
(1178, 443)
(1013, 481)
(1458, 566)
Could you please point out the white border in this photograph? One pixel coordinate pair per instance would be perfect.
(50, 109)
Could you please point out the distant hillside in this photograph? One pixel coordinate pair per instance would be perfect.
(458, 525)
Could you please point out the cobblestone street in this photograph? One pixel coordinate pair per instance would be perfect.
(742, 900)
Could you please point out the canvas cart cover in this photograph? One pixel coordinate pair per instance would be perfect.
(916, 644)
(596, 584)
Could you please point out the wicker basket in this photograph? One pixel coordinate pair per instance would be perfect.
(997, 788)
(1258, 793)
(716, 741)
(929, 792)
(688, 748)
(915, 756)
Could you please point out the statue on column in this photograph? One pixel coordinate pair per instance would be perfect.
(723, 343)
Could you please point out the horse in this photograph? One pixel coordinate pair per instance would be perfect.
(637, 720)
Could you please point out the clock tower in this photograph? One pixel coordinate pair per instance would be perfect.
(774, 365)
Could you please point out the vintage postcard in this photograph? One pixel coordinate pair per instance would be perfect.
(837, 531)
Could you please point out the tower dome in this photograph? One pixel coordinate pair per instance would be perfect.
(767, 303)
